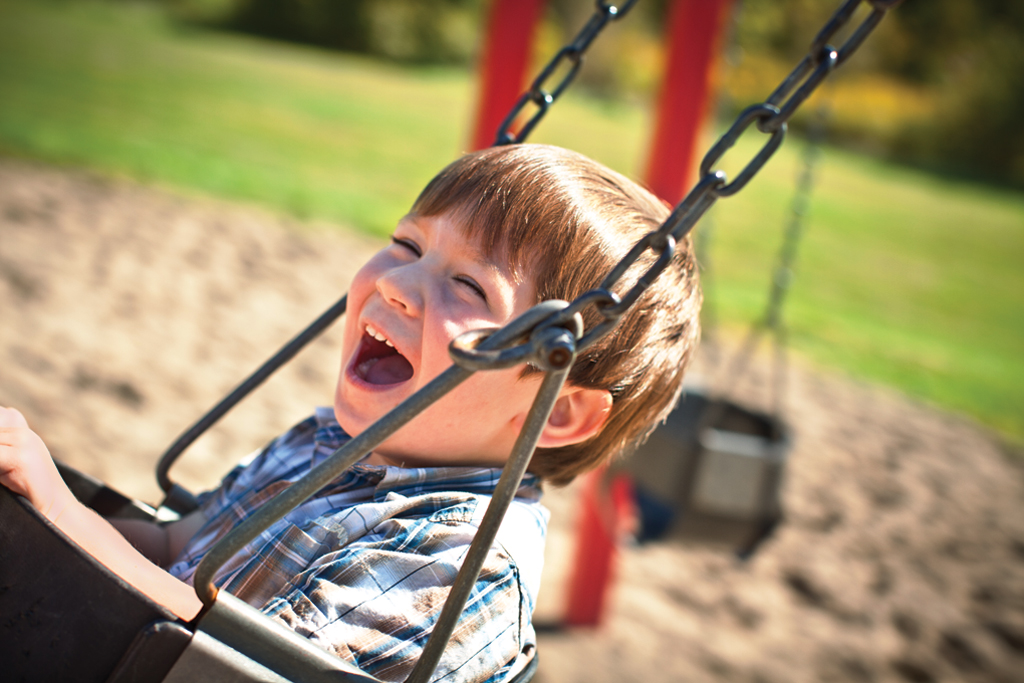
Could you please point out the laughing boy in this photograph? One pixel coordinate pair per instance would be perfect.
(363, 567)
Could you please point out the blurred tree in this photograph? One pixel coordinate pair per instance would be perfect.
(969, 55)
(340, 24)
(973, 54)
(424, 31)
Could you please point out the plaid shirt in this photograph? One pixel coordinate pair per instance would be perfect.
(363, 567)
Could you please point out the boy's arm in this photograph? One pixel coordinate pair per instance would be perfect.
(160, 543)
(28, 470)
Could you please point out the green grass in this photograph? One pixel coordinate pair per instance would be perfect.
(118, 88)
(902, 278)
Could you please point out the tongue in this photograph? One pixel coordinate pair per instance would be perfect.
(389, 370)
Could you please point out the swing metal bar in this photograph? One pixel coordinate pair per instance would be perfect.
(234, 630)
(548, 335)
(542, 345)
(177, 498)
(508, 484)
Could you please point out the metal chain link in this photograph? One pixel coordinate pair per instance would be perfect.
(571, 55)
(770, 117)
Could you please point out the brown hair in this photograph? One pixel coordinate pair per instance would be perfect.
(567, 220)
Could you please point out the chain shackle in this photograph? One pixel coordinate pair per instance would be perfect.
(556, 348)
(465, 353)
(527, 340)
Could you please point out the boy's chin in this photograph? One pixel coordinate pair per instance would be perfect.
(348, 421)
(389, 459)
(355, 421)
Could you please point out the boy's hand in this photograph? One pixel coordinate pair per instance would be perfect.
(26, 467)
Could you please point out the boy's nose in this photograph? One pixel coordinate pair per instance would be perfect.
(399, 288)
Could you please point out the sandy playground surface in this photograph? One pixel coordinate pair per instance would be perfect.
(126, 312)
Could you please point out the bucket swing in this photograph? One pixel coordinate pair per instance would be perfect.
(64, 616)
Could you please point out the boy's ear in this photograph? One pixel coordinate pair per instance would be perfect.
(578, 415)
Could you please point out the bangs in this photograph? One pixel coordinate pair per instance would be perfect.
(510, 203)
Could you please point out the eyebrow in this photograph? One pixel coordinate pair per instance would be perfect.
(476, 253)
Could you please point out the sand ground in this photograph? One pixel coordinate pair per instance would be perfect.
(126, 312)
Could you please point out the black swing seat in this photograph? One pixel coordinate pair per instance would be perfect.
(711, 474)
(66, 617)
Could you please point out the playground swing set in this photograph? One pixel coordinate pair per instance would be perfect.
(70, 618)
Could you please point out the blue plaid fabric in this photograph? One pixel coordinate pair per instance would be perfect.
(364, 567)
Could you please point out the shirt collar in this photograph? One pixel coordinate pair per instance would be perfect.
(329, 436)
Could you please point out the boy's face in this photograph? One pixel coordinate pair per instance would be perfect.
(404, 307)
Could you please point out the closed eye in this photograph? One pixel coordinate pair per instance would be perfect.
(472, 284)
(407, 244)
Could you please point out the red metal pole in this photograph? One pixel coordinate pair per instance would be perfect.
(504, 60)
(695, 28)
(605, 510)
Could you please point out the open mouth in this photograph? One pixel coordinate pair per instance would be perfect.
(378, 362)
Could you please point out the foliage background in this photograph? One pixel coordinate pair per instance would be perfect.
(940, 86)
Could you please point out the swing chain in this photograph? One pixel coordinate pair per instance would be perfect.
(571, 55)
(782, 276)
(822, 58)
(770, 117)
